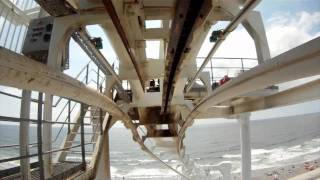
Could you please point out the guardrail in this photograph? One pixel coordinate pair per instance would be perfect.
(241, 67)
(69, 105)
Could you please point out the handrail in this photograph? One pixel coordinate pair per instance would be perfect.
(248, 6)
(231, 58)
(14, 119)
(60, 98)
(60, 130)
(43, 153)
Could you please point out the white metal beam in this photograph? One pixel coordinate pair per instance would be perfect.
(300, 62)
(22, 16)
(24, 73)
(24, 129)
(244, 121)
(233, 24)
(303, 93)
(156, 33)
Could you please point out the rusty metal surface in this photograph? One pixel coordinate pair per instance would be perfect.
(116, 22)
(189, 15)
(56, 8)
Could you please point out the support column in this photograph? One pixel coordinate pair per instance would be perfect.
(24, 134)
(47, 135)
(103, 170)
(244, 121)
(254, 26)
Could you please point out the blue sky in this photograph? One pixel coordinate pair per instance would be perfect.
(270, 7)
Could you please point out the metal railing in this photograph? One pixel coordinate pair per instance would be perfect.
(14, 20)
(238, 66)
(99, 80)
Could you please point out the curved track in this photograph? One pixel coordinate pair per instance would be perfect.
(24, 73)
(300, 62)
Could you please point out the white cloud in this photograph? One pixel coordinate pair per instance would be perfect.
(237, 44)
(286, 31)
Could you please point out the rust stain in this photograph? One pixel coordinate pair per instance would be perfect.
(30, 80)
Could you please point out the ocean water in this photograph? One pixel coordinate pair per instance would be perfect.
(275, 142)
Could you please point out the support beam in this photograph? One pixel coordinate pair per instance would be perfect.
(164, 13)
(156, 33)
(103, 159)
(244, 121)
(116, 22)
(83, 39)
(300, 62)
(254, 25)
(82, 140)
(189, 15)
(233, 24)
(24, 135)
(23, 17)
(24, 73)
(21, 72)
(47, 136)
(39, 136)
(306, 92)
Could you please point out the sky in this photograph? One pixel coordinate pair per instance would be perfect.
(288, 23)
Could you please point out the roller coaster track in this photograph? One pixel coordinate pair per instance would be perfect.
(22, 72)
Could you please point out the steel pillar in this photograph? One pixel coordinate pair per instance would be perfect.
(39, 136)
(245, 146)
(82, 140)
(47, 135)
(24, 134)
(103, 171)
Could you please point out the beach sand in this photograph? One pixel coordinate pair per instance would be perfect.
(283, 172)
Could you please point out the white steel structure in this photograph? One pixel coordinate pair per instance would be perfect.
(165, 96)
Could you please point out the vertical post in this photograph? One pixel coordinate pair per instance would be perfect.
(100, 121)
(13, 35)
(47, 135)
(24, 134)
(244, 120)
(102, 163)
(242, 65)
(98, 74)
(18, 39)
(69, 116)
(9, 29)
(211, 71)
(39, 136)
(100, 115)
(83, 151)
(87, 73)
(4, 21)
(106, 153)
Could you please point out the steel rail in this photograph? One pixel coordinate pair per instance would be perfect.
(14, 63)
(116, 22)
(229, 58)
(82, 38)
(300, 62)
(233, 24)
(188, 15)
(43, 153)
(13, 119)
